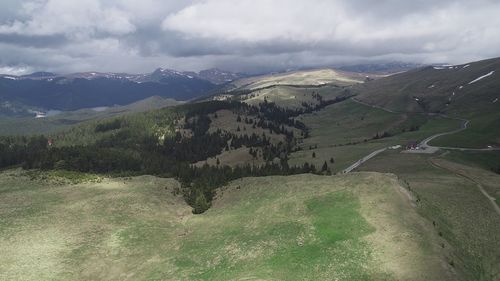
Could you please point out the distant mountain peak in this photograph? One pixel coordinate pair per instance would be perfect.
(218, 76)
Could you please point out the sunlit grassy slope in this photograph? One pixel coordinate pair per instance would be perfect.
(308, 77)
(451, 198)
(304, 227)
(292, 96)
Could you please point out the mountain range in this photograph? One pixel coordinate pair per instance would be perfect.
(45, 90)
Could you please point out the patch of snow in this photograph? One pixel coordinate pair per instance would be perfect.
(438, 67)
(10, 77)
(495, 100)
(190, 77)
(453, 94)
(431, 86)
(461, 87)
(40, 114)
(482, 77)
(465, 66)
(416, 99)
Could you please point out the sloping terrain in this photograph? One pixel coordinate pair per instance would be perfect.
(360, 226)
(293, 97)
(66, 119)
(347, 131)
(297, 78)
(468, 91)
(457, 199)
(303, 227)
(451, 89)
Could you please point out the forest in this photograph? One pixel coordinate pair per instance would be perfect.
(131, 145)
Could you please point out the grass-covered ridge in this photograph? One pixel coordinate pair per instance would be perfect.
(450, 197)
(300, 227)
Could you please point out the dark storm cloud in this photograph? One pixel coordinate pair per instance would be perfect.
(243, 35)
(51, 41)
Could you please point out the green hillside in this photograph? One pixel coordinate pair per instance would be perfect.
(450, 196)
(117, 194)
(67, 119)
(304, 227)
(431, 89)
(468, 91)
(297, 78)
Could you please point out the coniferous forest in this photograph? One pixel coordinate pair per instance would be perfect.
(156, 143)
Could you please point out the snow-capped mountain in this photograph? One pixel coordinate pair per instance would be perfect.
(91, 89)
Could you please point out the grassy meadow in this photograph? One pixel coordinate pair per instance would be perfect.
(339, 131)
(482, 131)
(310, 77)
(450, 197)
(292, 96)
(304, 227)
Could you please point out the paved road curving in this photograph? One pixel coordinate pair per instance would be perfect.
(426, 148)
(425, 143)
(363, 160)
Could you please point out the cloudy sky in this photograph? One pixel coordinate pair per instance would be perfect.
(241, 35)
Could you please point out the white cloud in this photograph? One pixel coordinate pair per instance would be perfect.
(75, 19)
(258, 20)
(139, 35)
(15, 70)
(338, 25)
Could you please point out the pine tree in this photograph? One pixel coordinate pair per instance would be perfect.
(314, 155)
(332, 161)
(200, 204)
(325, 167)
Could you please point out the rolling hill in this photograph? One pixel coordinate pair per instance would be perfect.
(450, 89)
(292, 90)
(241, 163)
(469, 91)
(22, 125)
(313, 77)
(354, 227)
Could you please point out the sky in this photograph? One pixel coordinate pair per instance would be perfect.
(137, 36)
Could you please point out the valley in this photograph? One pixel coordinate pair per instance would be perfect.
(308, 175)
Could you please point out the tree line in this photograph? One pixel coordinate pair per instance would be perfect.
(123, 146)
